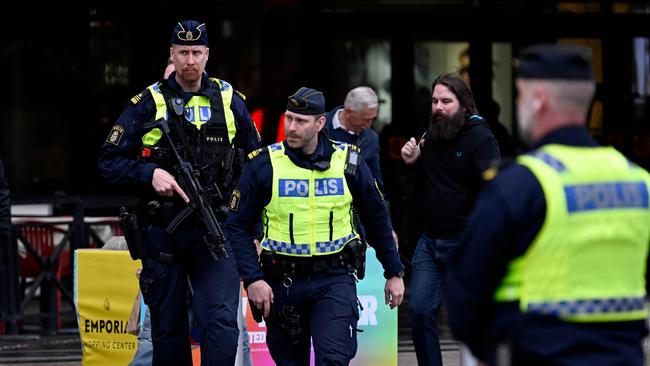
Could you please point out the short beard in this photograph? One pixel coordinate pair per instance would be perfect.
(190, 77)
(442, 127)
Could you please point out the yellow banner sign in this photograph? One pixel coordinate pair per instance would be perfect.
(105, 286)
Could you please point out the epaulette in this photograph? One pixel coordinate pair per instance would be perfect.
(255, 153)
(491, 172)
(241, 95)
(138, 97)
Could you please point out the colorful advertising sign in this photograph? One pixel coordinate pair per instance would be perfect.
(377, 344)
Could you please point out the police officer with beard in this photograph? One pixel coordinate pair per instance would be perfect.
(445, 175)
(209, 124)
(304, 189)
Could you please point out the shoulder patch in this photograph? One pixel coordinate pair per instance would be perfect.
(255, 153)
(234, 200)
(241, 95)
(115, 135)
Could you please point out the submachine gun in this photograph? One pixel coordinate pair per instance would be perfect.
(200, 199)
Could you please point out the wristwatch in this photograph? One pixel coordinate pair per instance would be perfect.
(399, 274)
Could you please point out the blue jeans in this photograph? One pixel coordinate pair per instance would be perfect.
(144, 354)
(428, 292)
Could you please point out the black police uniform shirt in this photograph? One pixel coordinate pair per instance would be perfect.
(118, 163)
(367, 140)
(506, 219)
(255, 186)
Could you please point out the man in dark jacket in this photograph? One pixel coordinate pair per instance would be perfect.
(447, 166)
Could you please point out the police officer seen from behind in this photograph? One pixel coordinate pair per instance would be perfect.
(304, 189)
(208, 123)
(444, 172)
(553, 262)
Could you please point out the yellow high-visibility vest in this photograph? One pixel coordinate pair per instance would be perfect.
(588, 261)
(310, 211)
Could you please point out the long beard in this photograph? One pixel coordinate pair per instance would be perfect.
(443, 127)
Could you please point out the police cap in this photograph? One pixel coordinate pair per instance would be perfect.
(306, 101)
(555, 62)
(190, 33)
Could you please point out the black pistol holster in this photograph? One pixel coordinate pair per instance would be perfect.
(287, 318)
(128, 221)
(357, 248)
(292, 323)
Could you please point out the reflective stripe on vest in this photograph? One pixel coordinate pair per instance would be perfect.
(197, 111)
(604, 309)
(310, 211)
(587, 263)
(324, 247)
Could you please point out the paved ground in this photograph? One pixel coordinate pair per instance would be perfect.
(64, 350)
(31, 347)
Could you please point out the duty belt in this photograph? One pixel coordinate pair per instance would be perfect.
(277, 265)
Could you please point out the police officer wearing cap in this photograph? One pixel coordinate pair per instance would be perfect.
(210, 125)
(304, 189)
(552, 266)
